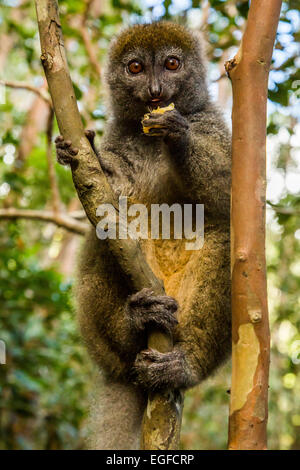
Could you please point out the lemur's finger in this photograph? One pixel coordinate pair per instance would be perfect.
(163, 302)
(145, 298)
(70, 150)
(63, 153)
(61, 144)
(156, 132)
(63, 157)
(74, 151)
(90, 134)
(67, 146)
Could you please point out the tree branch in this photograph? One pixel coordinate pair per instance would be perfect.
(249, 71)
(26, 86)
(77, 214)
(56, 202)
(284, 210)
(61, 220)
(161, 431)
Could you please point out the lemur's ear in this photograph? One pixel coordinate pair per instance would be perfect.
(203, 46)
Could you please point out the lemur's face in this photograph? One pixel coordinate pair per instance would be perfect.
(154, 79)
(155, 65)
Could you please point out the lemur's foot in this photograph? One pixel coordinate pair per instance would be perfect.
(65, 152)
(144, 309)
(161, 371)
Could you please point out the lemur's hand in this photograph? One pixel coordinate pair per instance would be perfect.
(168, 125)
(173, 128)
(66, 153)
(161, 371)
(145, 309)
(90, 135)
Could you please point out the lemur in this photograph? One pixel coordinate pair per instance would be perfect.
(186, 160)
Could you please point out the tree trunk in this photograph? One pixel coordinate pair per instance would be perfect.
(249, 71)
(163, 415)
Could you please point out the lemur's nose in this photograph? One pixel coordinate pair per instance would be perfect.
(155, 90)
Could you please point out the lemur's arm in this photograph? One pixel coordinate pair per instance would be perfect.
(201, 149)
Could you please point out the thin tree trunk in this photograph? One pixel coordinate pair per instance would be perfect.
(163, 416)
(249, 71)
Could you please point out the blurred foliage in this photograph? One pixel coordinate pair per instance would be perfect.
(44, 385)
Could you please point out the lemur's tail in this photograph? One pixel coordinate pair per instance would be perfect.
(116, 416)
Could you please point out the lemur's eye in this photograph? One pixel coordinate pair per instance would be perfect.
(172, 63)
(135, 67)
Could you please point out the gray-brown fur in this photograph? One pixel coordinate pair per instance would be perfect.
(188, 162)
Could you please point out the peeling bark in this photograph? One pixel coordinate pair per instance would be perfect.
(249, 71)
(93, 190)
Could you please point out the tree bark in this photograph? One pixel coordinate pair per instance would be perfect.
(163, 416)
(60, 219)
(249, 71)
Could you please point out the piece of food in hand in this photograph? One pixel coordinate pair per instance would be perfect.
(147, 129)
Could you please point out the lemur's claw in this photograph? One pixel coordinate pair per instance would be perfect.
(64, 151)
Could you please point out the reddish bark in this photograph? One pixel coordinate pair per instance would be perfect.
(249, 72)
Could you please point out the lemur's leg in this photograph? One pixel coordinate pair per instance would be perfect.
(202, 339)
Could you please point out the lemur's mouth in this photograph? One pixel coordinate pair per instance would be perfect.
(158, 102)
(155, 103)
